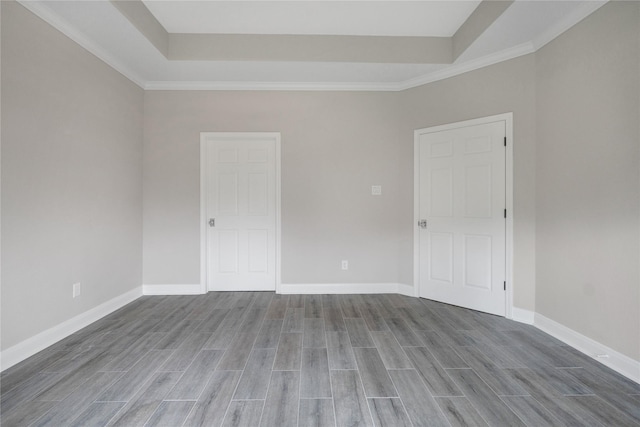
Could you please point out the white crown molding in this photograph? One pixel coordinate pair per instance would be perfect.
(620, 363)
(272, 86)
(465, 67)
(33, 345)
(585, 9)
(81, 39)
(173, 289)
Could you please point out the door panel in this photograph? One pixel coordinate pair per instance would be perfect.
(258, 196)
(258, 248)
(441, 259)
(477, 261)
(441, 193)
(461, 188)
(477, 191)
(226, 255)
(227, 193)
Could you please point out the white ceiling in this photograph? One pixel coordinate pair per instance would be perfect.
(99, 27)
(365, 18)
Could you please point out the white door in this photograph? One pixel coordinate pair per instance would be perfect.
(461, 192)
(240, 183)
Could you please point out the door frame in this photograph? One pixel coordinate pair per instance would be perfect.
(212, 136)
(508, 119)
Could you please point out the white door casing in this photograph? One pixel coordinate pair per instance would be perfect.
(240, 211)
(461, 192)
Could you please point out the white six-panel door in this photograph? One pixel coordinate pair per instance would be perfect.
(461, 192)
(240, 185)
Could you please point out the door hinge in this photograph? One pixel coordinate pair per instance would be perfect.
(505, 286)
(505, 213)
(505, 141)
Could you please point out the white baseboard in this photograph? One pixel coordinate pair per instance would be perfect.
(290, 288)
(523, 316)
(39, 342)
(193, 289)
(339, 288)
(620, 363)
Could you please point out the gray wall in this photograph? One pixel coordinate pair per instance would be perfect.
(334, 147)
(71, 178)
(588, 192)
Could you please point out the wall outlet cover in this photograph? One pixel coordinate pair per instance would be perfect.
(76, 289)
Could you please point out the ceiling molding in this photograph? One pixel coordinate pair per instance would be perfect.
(465, 67)
(275, 86)
(68, 30)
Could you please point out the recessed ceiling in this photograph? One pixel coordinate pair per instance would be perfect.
(307, 45)
(364, 18)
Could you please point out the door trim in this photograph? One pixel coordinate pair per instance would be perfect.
(508, 119)
(208, 136)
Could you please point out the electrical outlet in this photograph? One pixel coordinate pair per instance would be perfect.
(376, 190)
(345, 264)
(76, 289)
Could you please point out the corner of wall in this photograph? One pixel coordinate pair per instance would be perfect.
(523, 316)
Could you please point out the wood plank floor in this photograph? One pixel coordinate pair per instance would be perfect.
(261, 359)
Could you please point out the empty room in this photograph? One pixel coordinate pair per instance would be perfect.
(320, 213)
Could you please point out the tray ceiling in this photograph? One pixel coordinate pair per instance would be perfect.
(306, 45)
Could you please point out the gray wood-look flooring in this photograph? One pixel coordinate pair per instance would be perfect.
(261, 359)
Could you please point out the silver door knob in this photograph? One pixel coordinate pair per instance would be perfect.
(212, 222)
(422, 223)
